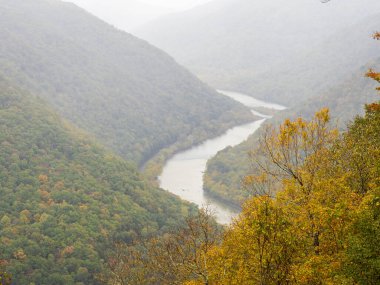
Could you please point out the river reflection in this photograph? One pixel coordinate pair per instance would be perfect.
(183, 173)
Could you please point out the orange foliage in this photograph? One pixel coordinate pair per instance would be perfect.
(67, 251)
(43, 178)
(374, 107)
(374, 75)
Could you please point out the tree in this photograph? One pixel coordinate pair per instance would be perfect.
(124, 266)
(295, 153)
(259, 248)
(174, 258)
(5, 278)
(282, 152)
(362, 262)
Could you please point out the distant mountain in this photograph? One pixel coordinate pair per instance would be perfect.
(133, 97)
(122, 15)
(64, 198)
(311, 74)
(275, 49)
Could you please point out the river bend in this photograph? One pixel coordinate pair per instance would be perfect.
(183, 173)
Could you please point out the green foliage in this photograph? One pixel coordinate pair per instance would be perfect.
(363, 252)
(225, 173)
(63, 197)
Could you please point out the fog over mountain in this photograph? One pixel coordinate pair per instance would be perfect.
(112, 167)
(130, 14)
(250, 45)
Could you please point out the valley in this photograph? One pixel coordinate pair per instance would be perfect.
(122, 163)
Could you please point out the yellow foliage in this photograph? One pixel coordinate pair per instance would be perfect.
(20, 254)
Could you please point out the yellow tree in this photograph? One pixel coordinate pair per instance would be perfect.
(293, 154)
(259, 248)
(300, 159)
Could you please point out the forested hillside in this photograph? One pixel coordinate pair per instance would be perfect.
(133, 97)
(64, 198)
(275, 49)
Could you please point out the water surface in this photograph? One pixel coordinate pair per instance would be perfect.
(183, 173)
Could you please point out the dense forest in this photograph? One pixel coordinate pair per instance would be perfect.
(313, 218)
(64, 198)
(133, 97)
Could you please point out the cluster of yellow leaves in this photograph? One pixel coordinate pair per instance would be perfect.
(20, 254)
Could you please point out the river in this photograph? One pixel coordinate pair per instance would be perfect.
(183, 173)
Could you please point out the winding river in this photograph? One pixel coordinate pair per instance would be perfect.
(183, 173)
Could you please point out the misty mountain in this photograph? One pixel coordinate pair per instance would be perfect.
(64, 198)
(273, 49)
(345, 100)
(338, 58)
(133, 97)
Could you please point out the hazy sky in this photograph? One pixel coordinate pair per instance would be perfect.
(128, 14)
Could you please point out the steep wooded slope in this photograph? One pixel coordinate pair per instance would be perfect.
(64, 198)
(132, 96)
